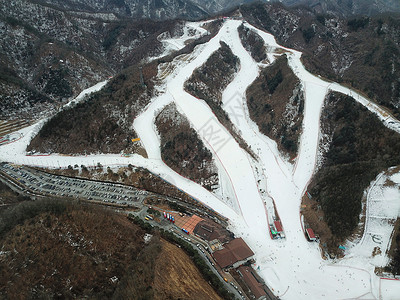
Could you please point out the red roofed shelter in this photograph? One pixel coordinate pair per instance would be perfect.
(310, 234)
(278, 226)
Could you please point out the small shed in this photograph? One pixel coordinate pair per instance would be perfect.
(278, 226)
(311, 235)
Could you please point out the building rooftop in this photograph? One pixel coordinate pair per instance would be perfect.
(210, 231)
(278, 226)
(234, 251)
(310, 234)
(187, 222)
(251, 281)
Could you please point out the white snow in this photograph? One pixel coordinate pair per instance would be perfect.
(86, 92)
(383, 209)
(191, 30)
(292, 267)
(389, 289)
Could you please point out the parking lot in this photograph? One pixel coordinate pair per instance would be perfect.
(36, 182)
(49, 184)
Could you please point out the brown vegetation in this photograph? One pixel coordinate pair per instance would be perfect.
(101, 123)
(374, 53)
(182, 149)
(221, 65)
(177, 278)
(55, 249)
(394, 251)
(314, 217)
(8, 197)
(363, 52)
(212, 27)
(44, 62)
(276, 102)
(253, 43)
(69, 251)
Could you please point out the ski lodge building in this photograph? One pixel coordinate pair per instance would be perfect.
(234, 254)
(252, 281)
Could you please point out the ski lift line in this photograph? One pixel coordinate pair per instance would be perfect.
(246, 114)
(315, 161)
(258, 189)
(244, 106)
(301, 144)
(10, 142)
(316, 148)
(278, 159)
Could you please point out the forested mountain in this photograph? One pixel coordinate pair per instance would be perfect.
(50, 54)
(51, 50)
(348, 7)
(363, 52)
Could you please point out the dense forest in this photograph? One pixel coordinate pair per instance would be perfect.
(253, 43)
(183, 150)
(103, 121)
(363, 52)
(360, 149)
(276, 103)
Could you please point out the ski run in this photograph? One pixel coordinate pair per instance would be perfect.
(291, 267)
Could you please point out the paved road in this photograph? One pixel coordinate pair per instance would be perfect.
(196, 244)
(36, 183)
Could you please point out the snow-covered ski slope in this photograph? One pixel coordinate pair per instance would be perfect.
(292, 267)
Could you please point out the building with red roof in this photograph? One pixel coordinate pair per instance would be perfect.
(235, 253)
(255, 286)
(311, 235)
(278, 226)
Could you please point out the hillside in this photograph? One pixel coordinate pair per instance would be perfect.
(276, 104)
(8, 197)
(348, 7)
(63, 250)
(358, 147)
(211, 79)
(276, 132)
(183, 150)
(54, 49)
(135, 9)
(362, 52)
(102, 122)
(51, 54)
(177, 278)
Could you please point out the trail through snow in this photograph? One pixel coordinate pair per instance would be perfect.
(292, 267)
